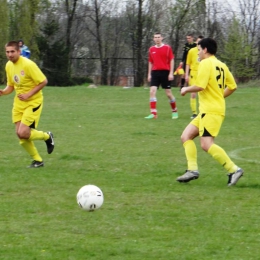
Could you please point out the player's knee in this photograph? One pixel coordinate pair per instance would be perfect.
(205, 147)
(152, 92)
(184, 138)
(169, 94)
(23, 135)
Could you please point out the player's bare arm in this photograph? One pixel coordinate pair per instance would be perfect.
(190, 89)
(33, 91)
(170, 76)
(228, 92)
(149, 71)
(7, 90)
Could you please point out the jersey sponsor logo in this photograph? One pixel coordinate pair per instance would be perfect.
(22, 72)
(16, 79)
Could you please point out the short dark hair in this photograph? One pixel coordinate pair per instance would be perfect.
(13, 44)
(200, 37)
(210, 44)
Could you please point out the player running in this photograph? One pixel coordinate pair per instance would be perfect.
(24, 76)
(214, 83)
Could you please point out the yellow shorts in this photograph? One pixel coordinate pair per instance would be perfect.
(192, 77)
(208, 124)
(27, 112)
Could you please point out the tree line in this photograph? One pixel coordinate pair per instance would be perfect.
(72, 40)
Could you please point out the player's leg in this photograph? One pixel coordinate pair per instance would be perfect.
(31, 118)
(25, 119)
(193, 96)
(182, 82)
(212, 125)
(166, 85)
(28, 145)
(178, 81)
(189, 133)
(172, 101)
(153, 103)
(155, 83)
(183, 76)
(31, 134)
(23, 133)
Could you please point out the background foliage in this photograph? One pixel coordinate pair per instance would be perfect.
(102, 138)
(105, 39)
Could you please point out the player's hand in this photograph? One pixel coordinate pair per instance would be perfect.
(183, 91)
(23, 97)
(170, 77)
(1, 92)
(149, 78)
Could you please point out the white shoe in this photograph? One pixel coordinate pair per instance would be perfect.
(188, 176)
(235, 176)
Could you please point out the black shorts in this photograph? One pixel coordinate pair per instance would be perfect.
(160, 77)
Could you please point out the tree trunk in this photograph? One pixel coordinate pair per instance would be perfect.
(139, 72)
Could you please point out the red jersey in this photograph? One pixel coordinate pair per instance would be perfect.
(161, 57)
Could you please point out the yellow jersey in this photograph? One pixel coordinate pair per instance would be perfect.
(213, 76)
(193, 59)
(24, 75)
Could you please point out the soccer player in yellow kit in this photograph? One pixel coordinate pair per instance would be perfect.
(214, 83)
(24, 76)
(192, 65)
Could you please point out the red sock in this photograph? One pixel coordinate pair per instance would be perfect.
(153, 107)
(173, 105)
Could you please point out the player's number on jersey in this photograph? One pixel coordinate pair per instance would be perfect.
(220, 77)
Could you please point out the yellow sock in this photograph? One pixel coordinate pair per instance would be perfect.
(191, 155)
(38, 135)
(30, 149)
(221, 156)
(193, 105)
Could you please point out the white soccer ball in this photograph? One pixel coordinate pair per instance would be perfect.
(90, 197)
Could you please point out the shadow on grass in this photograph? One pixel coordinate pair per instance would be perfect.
(252, 186)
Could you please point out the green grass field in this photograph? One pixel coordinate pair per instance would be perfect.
(102, 138)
